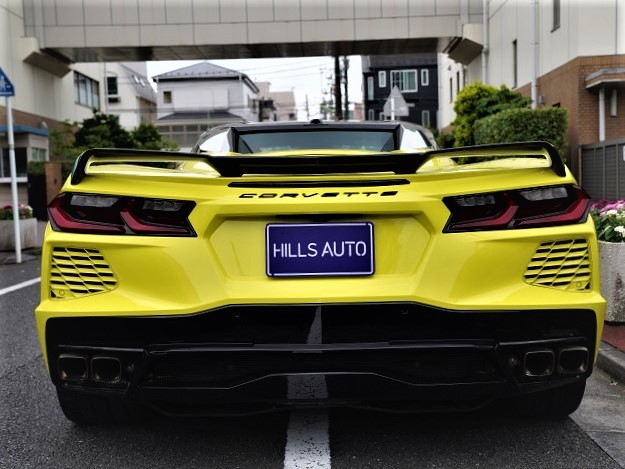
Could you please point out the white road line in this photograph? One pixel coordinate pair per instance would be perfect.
(18, 286)
(308, 440)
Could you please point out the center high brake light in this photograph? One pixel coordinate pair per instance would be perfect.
(525, 208)
(100, 214)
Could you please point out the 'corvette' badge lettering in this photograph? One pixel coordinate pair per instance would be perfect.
(309, 195)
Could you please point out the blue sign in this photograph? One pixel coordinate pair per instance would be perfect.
(319, 249)
(6, 87)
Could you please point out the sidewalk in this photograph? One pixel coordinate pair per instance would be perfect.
(611, 352)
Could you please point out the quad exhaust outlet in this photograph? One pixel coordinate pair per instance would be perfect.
(99, 368)
(545, 362)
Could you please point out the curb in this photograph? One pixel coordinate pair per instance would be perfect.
(612, 361)
(31, 254)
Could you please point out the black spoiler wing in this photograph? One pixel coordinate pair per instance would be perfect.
(398, 163)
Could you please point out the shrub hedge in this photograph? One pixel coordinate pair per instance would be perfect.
(519, 125)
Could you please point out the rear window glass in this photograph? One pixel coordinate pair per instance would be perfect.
(338, 139)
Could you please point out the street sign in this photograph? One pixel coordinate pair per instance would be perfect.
(8, 91)
(396, 105)
(6, 87)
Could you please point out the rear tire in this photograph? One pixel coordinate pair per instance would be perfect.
(87, 409)
(557, 403)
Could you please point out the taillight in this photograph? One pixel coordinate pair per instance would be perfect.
(104, 214)
(525, 208)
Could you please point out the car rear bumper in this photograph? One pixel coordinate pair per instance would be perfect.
(273, 356)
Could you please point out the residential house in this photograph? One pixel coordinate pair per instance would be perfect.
(129, 94)
(283, 103)
(195, 98)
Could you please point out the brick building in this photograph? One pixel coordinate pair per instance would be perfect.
(573, 52)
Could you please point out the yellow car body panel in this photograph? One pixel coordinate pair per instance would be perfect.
(223, 266)
(225, 263)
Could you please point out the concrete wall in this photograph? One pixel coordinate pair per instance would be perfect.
(35, 89)
(211, 28)
(587, 28)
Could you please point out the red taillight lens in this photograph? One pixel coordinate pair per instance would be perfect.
(100, 214)
(526, 208)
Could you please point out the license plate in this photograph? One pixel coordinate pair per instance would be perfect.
(319, 249)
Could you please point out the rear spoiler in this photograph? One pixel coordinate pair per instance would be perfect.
(398, 163)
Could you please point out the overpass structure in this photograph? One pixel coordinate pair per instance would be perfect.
(141, 30)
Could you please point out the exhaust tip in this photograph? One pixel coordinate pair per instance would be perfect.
(573, 360)
(72, 367)
(539, 363)
(106, 369)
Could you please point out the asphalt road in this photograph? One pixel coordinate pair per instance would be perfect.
(35, 434)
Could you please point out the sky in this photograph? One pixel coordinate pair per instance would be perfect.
(307, 76)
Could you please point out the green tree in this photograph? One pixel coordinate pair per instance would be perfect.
(63, 142)
(477, 101)
(148, 137)
(102, 131)
(519, 125)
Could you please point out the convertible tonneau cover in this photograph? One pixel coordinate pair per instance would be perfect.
(395, 162)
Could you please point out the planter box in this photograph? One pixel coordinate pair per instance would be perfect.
(28, 234)
(612, 259)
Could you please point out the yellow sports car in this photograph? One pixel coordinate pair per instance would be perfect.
(307, 264)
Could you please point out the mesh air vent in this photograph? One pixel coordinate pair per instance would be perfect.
(76, 272)
(560, 264)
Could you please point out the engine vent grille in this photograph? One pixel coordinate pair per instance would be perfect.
(76, 272)
(560, 264)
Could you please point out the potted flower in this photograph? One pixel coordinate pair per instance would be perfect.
(28, 227)
(609, 218)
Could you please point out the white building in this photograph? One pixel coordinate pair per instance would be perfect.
(129, 94)
(49, 90)
(195, 98)
(565, 53)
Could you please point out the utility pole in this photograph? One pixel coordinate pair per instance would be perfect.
(260, 109)
(307, 110)
(338, 106)
(345, 69)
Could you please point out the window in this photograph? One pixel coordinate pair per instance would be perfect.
(514, 64)
(371, 115)
(183, 135)
(613, 103)
(405, 80)
(167, 97)
(261, 141)
(370, 88)
(20, 164)
(425, 118)
(425, 77)
(382, 79)
(112, 91)
(86, 91)
(457, 82)
(556, 14)
(451, 90)
(38, 154)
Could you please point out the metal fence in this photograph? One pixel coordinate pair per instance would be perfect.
(603, 170)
